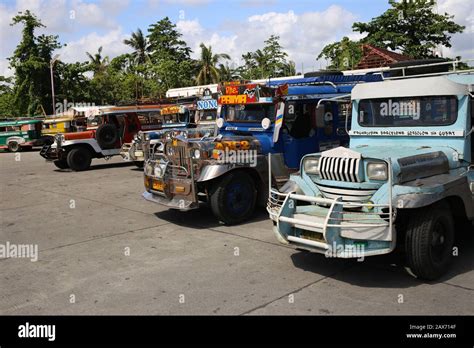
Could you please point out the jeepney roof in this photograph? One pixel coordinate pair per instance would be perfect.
(58, 119)
(335, 79)
(409, 87)
(18, 122)
(316, 90)
(133, 108)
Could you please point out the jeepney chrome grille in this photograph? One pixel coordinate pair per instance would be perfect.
(340, 169)
(347, 195)
(179, 156)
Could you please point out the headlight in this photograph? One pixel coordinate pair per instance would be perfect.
(146, 136)
(311, 165)
(148, 169)
(159, 171)
(377, 171)
(196, 154)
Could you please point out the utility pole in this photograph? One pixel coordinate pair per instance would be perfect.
(51, 64)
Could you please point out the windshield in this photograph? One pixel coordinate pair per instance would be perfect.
(248, 112)
(206, 115)
(408, 112)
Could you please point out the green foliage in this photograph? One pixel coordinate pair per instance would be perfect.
(413, 27)
(208, 72)
(30, 61)
(343, 55)
(271, 61)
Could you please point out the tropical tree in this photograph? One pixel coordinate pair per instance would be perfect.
(98, 63)
(343, 55)
(412, 27)
(139, 43)
(207, 65)
(30, 61)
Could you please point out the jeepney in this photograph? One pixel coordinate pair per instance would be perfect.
(16, 135)
(229, 171)
(175, 115)
(57, 125)
(406, 181)
(107, 129)
(203, 125)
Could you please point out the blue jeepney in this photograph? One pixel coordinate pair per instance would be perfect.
(407, 178)
(229, 171)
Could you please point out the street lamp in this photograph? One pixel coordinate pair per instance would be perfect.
(51, 64)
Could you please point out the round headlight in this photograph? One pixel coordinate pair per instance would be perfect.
(311, 165)
(158, 171)
(377, 171)
(220, 122)
(196, 154)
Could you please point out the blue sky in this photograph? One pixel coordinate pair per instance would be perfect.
(233, 26)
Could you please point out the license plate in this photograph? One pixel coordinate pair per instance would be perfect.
(158, 185)
(138, 153)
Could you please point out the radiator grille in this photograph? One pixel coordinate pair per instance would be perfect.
(340, 169)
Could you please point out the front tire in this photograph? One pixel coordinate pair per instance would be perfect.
(233, 198)
(13, 146)
(79, 159)
(61, 164)
(429, 241)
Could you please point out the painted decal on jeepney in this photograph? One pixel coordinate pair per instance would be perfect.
(278, 121)
(207, 104)
(233, 99)
(409, 133)
(172, 110)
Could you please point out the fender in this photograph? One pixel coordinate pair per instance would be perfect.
(424, 192)
(213, 171)
(91, 142)
(19, 140)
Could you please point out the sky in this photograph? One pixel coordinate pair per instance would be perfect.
(233, 26)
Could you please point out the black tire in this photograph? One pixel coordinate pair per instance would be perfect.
(429, 241)
(233, 198)
(13, 146)
(107, 135)
(61, 164)
(139, 164)
(79, 159)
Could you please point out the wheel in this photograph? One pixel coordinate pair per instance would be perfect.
(107, 135)
(79, 159)
(139, 164)
(13, 146)
(61, 164)
(429, 241)
(233, 197)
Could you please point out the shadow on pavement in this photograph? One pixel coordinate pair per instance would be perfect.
(98, 166)
(201, 218)
(385, 271)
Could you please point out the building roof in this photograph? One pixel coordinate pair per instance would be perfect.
(376, 57)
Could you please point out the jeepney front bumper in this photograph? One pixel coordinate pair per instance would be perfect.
(332, 226)
(51, 152)
(174, 192)
(131, 152)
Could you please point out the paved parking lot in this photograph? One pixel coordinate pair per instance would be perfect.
(104, 250)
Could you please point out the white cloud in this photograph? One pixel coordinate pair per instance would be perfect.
(302, 35)
(111, 42)
(463, 11)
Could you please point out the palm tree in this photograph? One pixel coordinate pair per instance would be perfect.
(140, 45)
(98, 63)
(208, 73)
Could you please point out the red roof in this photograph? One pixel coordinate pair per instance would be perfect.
(375, 57)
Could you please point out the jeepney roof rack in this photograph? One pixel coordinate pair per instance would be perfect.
(333, 80)
(404, 70)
